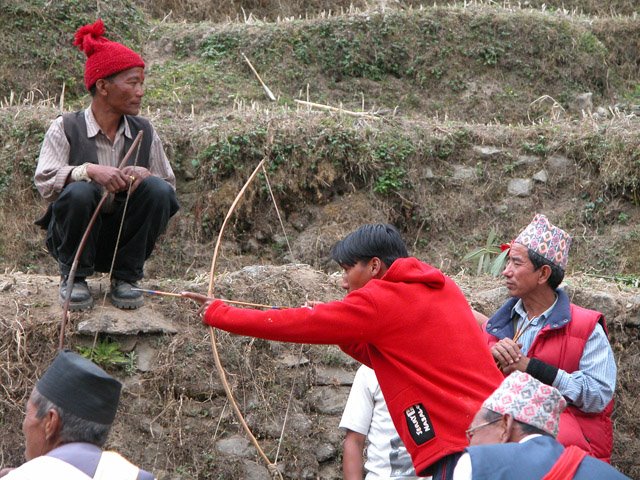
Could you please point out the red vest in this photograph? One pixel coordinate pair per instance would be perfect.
(562, 348)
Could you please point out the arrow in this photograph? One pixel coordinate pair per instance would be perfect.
(232, 302)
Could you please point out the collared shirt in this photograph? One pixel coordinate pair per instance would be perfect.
(591, 387)
(529, 328)
(53, 164)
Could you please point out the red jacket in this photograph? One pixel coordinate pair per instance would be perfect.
(415, 328)
(562, 347)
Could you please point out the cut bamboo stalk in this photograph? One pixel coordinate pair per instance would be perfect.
(338, 109)
(269, 93)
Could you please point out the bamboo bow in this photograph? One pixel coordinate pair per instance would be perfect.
(272, 467)
(83, 241)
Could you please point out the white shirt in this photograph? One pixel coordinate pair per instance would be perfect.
(366, 413)
(46, 467)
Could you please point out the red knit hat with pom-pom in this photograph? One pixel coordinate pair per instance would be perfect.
(104, 57)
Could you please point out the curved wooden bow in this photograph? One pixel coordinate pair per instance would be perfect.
(83, 241)
(272, 467)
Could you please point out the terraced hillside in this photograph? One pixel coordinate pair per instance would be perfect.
(447, 120)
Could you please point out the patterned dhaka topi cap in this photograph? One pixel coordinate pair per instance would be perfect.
(528, 401)
(81, 388)
(104, 57)
(546, 240)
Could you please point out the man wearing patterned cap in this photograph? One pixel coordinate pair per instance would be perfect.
(539, 331)
(79, 161)
(513, 436)
(69, 415)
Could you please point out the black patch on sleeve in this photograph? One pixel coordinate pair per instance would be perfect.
(419, 424)
(542, 371)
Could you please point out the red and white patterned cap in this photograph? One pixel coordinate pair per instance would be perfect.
(528, 401)
(547, 240)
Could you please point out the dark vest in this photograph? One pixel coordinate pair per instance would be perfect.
(83, 148)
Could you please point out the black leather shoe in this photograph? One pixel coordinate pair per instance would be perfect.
(81, 298)
(123, 297)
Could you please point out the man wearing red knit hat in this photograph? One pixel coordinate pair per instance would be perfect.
(79, 160)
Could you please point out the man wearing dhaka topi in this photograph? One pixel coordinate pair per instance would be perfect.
(540, 332)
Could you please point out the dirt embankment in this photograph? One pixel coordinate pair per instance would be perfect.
(174, 417)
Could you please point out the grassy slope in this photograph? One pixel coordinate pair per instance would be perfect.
(36, 39)
(479, 64)
(470, 64)
(195, 10)
(474, 65)
(316, 157)
(590, 7)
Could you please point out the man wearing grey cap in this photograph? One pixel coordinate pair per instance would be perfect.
(513, 436)
(69, 415)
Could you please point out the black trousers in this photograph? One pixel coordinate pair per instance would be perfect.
(148, 212)
(443, 468)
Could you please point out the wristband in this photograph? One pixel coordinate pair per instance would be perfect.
(542, 371)
(79, 174)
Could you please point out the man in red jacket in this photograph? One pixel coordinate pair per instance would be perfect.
(407, 321)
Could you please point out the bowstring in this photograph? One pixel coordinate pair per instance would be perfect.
(293, 383)
(115, 248)
(271, 467)
(275, 204)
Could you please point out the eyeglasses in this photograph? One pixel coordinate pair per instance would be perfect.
(470, 432)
